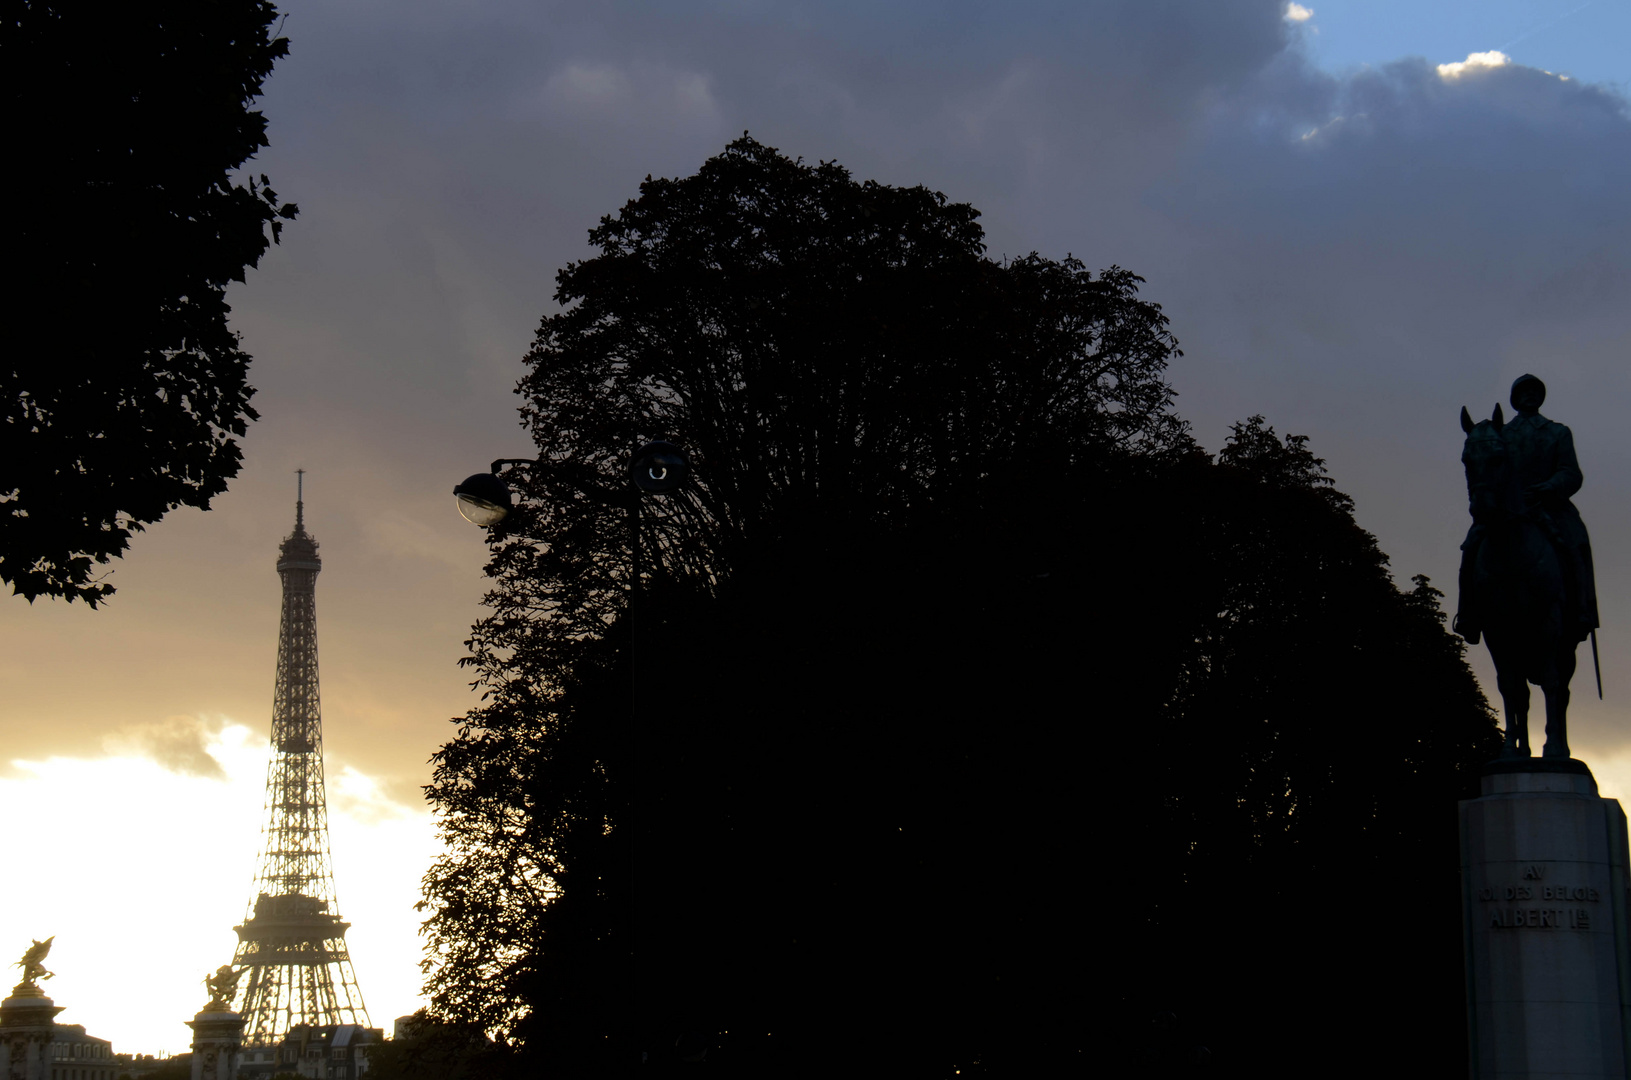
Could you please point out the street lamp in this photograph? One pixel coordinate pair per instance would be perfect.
(484, 499)
(657, 468)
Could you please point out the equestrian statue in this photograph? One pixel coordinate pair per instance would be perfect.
(221, 985)
(1526, 577)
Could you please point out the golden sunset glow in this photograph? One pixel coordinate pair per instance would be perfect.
(149, 868)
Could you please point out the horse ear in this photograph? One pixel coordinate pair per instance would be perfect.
(1499, 418)
(1466, 420)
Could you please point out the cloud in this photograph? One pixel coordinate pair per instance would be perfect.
(409, 536)
(1474, 62)
(179, 744)
(1296, 13)
(596, 86)
(363, 798)
(619, 93)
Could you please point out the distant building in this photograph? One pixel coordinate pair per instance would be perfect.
(78, 1056)
(328, 1052)
(33, 1046)
(258, 1061)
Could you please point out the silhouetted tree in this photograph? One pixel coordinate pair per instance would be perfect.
(124, 385)
(432, 1050)
(1318, 725)
(928, 663)
(179, 1067)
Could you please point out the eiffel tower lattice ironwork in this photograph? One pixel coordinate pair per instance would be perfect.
(292, 958)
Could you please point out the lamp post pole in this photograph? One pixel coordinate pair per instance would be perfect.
(657, 468)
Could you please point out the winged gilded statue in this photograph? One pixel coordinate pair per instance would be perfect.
(30, 963)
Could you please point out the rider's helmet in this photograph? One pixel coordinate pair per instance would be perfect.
(1525, 381)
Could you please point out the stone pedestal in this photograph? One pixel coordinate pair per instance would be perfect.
(27, 1026)
(1543, 881)
(218, 1039)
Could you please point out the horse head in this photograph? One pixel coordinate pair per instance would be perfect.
(1492, 487)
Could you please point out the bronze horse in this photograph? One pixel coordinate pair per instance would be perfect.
(1519, 588)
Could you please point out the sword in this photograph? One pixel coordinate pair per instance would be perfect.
(1596, 666)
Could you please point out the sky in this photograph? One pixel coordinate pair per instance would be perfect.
(1359, 217)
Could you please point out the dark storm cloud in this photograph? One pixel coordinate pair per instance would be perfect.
(1405, 239)
(449, 159)
(1359, 257)
(1469, 165)
(1354, 256)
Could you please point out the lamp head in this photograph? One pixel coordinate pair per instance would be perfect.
(659, 468)
(484, 499)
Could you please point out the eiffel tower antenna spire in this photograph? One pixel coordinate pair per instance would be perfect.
(292, 956)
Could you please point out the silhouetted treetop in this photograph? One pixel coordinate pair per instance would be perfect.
(1253, 446)
(867, 349)
(125, 387)
(835, 354)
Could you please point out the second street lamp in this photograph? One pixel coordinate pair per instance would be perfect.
(659, 468)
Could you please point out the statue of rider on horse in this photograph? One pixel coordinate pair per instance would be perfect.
(1526, 582)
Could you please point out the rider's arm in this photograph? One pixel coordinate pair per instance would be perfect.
(1565, 479)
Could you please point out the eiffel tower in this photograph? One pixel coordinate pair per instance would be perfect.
(292, 960)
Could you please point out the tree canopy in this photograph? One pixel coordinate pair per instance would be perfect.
(125, 386)
(977, 712)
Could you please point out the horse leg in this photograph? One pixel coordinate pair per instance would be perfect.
(1514, 688)
(1515, 697)
(1557, 707)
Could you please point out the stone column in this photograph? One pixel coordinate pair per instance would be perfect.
(218, 1038)
(27, 1027)
(1543, 883)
